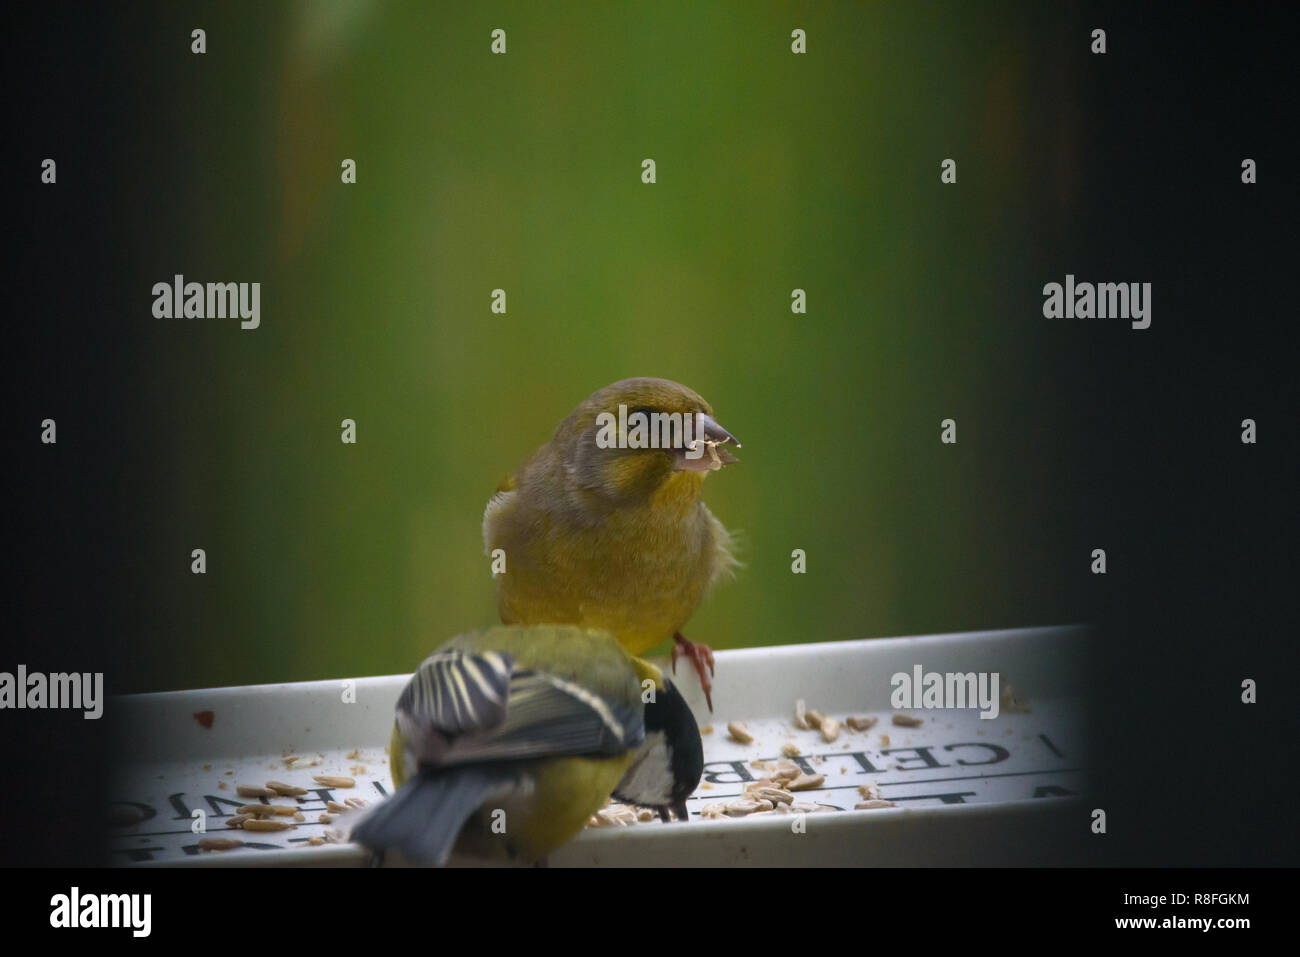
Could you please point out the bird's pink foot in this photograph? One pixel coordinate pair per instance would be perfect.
(700, 655)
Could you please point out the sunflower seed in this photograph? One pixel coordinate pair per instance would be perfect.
(333, 781)
(286, 790)
(801, 716)
(738, 733)
(768, 793)
(264, 824)
(806, 782)
(744, 806)
(219, 844)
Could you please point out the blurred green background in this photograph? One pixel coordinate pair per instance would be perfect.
(522, 172)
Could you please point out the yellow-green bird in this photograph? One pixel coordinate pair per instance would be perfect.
(599, 529)
(508, 739)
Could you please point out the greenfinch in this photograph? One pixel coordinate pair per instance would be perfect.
(605, 529)
(506, 740)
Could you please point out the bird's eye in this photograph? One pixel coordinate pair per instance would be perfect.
(645, 410)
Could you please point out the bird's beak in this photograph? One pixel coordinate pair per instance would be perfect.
(705, 452)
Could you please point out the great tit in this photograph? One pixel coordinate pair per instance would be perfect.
(601, 534)
(507, 740)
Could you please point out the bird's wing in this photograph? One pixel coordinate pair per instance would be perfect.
(461, 708)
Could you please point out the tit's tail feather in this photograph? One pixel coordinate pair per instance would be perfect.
(424, 817)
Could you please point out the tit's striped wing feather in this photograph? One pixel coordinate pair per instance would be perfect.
(461, 708)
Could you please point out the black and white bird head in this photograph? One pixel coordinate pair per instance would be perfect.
(667, 766)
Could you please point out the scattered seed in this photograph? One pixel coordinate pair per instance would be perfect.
(334, 836)
(238, 820)
(299, 816)
(332, 781)
(297, 763)
(830, 729)
(354, 802)
(354, 754)
(790, 750)
(334, 807)
(861, 722)
(713, 811)
(285, 790)
(873, 805)
(325, 818)
(743, 806)
(315, 841)
(884, 740)
(248, 791)
(801, 716)
(265, 824)
(645, 814)
(906, 720)
(815, 719)
(219, 844)
(869, 792)
(738, 733)
(805, 782)
(766, 792)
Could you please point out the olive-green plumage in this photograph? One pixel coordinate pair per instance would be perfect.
(611, 538)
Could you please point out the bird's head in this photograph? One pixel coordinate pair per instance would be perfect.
(639, 437)
(667, 767)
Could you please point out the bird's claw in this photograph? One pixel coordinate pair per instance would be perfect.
(700, 655)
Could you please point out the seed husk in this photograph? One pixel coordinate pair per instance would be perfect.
(861, 722)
